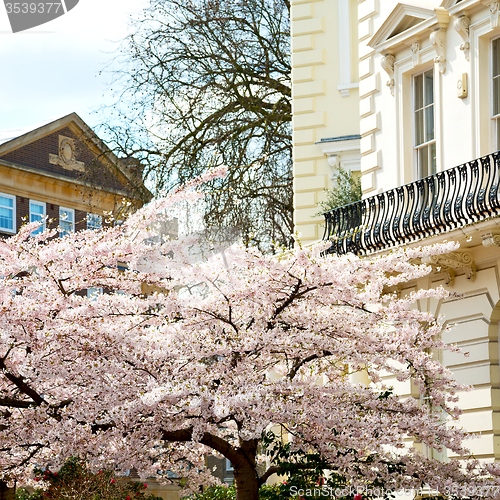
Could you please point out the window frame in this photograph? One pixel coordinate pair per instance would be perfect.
(13, 209)
(41, 229)
(426, 144)
(63, 233)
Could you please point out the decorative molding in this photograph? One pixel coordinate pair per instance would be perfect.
(495, 14)
(67, 155)
(415, 52)
(387, 63)
(491, 239)
(438, 41)
(462, 25)
(451, 262)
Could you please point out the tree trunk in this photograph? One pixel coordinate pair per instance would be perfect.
(6, 493)
(246, 478)
(246, 482)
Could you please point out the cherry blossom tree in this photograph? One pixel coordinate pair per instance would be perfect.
(215, 355)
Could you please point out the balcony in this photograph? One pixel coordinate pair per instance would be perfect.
(431, 206)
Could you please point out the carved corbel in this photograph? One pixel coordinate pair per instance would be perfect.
(495, 14)
(438, 40)
(462, 25)
(415, 53)
(450, 262)
(491, 239)
(387, 63)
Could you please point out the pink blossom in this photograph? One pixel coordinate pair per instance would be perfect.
(218, 352)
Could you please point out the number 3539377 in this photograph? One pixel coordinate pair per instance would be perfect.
(34, 8)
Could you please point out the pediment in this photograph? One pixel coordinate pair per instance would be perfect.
(403, 18)
(68, 148)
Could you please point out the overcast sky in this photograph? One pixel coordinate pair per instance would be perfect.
(52, 70)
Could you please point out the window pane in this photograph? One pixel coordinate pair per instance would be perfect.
(429, 88)
(497, 127)
(6, 202)
(94, 221)
(423, 162)
(66, 221)
(432, 159)
(419, 127)
(418, 91)
(37, 209)
(496, 56)
(429, 123)
(6, 218)
(496, 96)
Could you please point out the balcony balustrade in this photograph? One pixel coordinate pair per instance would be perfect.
(434, 205)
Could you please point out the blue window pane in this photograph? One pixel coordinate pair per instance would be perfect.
(6, 202)
(6, 218)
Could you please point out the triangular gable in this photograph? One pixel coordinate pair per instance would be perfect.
(403, 18)
(69, 148)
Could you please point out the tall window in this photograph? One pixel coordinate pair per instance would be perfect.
(425, 139)
(37, 212)
(66, 221)
(496, 89)
(7, 213)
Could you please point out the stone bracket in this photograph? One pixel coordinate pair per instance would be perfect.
(387, 63)
(438, 40)
(451, 262)
(462, 25)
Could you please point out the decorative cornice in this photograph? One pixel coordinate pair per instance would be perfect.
(387, 63)
(451, 262)
(462, 25)
(438, 40)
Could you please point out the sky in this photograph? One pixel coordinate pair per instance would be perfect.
(54, 69)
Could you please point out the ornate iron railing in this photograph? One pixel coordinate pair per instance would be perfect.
(434, 205)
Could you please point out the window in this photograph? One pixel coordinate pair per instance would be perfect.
(94, 221)
(66, 221)
(7, 213)
(495, 51)
(37, 213)
(229, 465)
(425, 139)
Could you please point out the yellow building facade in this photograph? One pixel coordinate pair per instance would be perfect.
(325, 102)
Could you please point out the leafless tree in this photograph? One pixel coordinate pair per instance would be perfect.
(207, 82)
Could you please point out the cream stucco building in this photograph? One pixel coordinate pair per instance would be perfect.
(418, 112)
